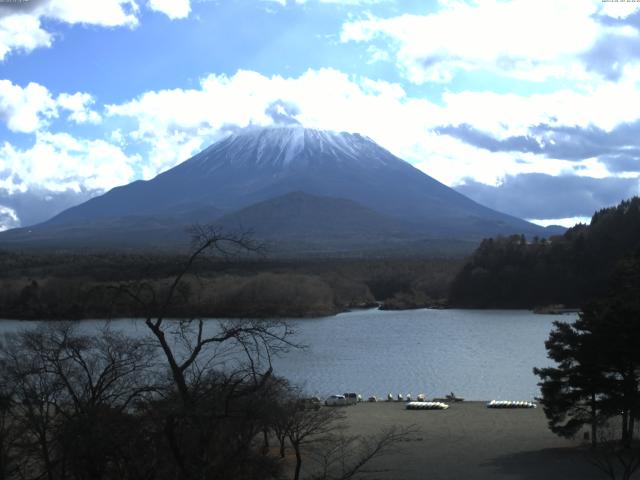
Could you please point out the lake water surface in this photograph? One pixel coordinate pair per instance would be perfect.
(478, 354)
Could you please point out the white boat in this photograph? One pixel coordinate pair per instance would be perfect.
(427, 406)
(510, 404)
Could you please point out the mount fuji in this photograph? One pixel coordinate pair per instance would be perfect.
(289, 185)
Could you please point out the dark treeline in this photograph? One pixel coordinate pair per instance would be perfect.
(65, 286)
(514, 272)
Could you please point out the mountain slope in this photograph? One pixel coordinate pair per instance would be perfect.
(299, 214)
(301, 220)
(259, 164)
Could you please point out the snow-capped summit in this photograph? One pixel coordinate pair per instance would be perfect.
(291, 146)
(241, 175)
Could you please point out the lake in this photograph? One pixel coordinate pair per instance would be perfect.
(478, 354)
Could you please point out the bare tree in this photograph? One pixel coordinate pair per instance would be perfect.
(308, 426)
(320, 435)
(9, 432)
(68, 391)
(217, 369)
(183, 342)
(341, 457)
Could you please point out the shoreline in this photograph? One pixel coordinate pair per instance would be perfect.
(567, 311)
(471, 441)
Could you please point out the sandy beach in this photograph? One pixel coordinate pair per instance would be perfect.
(470, 441)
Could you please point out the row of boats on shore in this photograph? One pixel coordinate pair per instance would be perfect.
(421, 402)
(492, 404)
(419, 398)
(510, 404)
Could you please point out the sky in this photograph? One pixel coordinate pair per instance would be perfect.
(531, 107)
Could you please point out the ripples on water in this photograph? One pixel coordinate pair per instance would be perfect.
(478, 354)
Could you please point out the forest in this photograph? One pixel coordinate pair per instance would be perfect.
(504, 272)
(569, 270)
(75, 286)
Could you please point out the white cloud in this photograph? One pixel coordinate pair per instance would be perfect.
(117, 137)
(174, 118)
(618, 9)
(349, 2)
(59, 162)
(519, 38)
(79, 104)
(338, 2)
(451, 161)
(172, 125)
(105, 13)
(25, 109)
(22, 32)
(177, 123)
(30, 109)
(174, 9)
(503, 115)
(565, 222)
(21, 23)
(8, 218)
(377, 54)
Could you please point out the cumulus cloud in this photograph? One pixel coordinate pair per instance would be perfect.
(106, 13)
(283, 113)
(25, 109)
(8, 218)
(540, 196)
(179, 120)
(21, 32)
(483, 135)
(79, 105)
(58, 162)
(620, 11)
(21, 23)
(29, 109)
(604, 106)
(501, 37)
(174, 9)
(470, 134)
(617, 148)
(38, 205)
(339, 2)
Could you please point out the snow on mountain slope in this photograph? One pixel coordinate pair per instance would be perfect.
(257, 164)
(290, 147)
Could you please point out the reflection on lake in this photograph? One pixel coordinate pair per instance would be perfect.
(478, 354)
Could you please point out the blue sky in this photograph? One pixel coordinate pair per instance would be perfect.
(529, 107)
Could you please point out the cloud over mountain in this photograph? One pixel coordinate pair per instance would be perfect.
(537, 195)
(162, 79)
